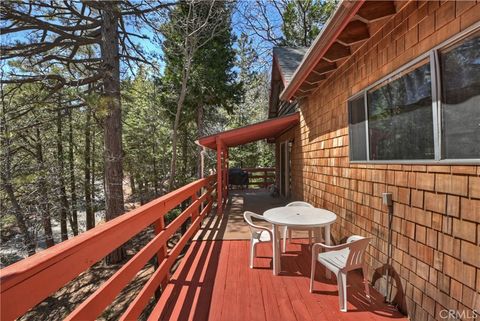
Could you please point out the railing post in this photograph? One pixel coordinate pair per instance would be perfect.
(210, 194)
(47, 272)
(272, 182)
(195, 213)
(265, 178)
(162, 253)
(226, 171)
(219, 177)
(225, 174)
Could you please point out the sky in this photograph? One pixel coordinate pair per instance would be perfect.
(239, 26)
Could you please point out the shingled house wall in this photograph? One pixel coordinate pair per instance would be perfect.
(436, 224)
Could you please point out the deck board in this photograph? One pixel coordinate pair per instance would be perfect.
(232, 285)
(232, 226)
(219, 281)
(214, 283)
(256, 308)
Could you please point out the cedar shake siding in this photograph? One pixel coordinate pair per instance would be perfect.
(436, 215)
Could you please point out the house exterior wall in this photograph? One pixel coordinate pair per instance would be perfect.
(436, 223)
(287, 136)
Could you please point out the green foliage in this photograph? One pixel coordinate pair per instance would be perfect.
(254, 108)
(303, 20)
(6, 221)
(213, 82)
(30, 141)
(146, 134)
(199, 55)
(227, 88)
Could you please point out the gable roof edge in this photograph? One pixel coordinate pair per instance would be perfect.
(333, 27)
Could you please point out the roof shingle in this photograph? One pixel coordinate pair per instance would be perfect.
(288, 60)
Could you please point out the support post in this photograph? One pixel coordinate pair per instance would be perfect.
(195, 213)
(159, 226)
(202, 162)
(265, 173)
(226, 172)
(219, 177)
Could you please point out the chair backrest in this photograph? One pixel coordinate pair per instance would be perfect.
(247, 215)
(299, 204)
(354, 238)
(357, 246)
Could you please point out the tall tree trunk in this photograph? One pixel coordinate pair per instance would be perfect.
(180, 101)
(89, 216)
(155, 169)
(141, 189)
(305, 26)
(93, 170)
(44, 203)
(18, 212)
(113, 122)
(6, 173)
(184, 156)
(200, 131)
(132, 184)
(64, 207)
(73, 186)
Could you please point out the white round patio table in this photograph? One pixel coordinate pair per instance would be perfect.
(297, 217)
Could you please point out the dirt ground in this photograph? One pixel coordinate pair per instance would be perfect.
(65, 300)
(230, 226)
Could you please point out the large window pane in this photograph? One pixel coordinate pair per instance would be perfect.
(356, 117)
(400, 117)
(460, 78)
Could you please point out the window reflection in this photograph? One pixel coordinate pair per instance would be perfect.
(400, 116)
(356, 115)
(460, 78)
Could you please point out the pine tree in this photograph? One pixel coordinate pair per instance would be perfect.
(303, 20)
(199, 73)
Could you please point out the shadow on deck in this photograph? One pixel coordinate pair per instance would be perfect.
(231, 225)
(214, 282)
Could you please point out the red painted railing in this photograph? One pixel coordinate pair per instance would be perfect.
(30, 281)
(260, 177)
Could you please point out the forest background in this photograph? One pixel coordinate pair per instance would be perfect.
(101, 103)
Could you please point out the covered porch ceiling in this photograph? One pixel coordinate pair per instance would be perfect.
(221, 142)
(267, 129)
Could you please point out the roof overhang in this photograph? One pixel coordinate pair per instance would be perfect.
(285, 61)
(352, 23)
(275, 88)
(267, 129)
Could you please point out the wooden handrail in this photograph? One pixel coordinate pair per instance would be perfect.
(28, 282)
(259, 169)
(261, 176)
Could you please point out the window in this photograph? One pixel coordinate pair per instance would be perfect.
(400, 116)
(423, 112)
(460, 98)
(356, 116)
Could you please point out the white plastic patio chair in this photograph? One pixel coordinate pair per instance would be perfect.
(259, 233)
(341, 259)
(286, 230)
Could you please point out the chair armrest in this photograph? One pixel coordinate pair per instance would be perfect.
(317, 246)
(260, 217)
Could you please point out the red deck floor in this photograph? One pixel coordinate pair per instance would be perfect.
(214, 282)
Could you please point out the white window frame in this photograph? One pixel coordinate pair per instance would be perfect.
(432, 56)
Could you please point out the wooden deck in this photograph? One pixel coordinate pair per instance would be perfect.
(214, 282)
(231, 226)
